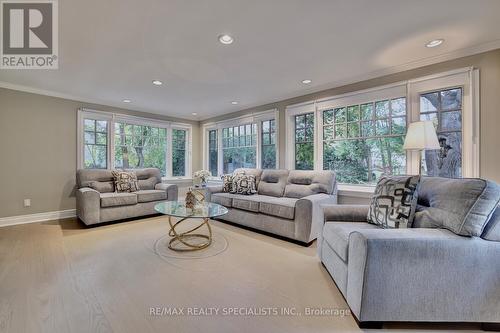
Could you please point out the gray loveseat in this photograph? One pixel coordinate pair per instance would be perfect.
(287, 203)
(445, 269)
(97, 201)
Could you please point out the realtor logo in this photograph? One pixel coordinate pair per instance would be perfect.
(29, 34)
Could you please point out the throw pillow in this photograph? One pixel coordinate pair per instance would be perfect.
(244, 184)
(125, 181)
(394, 201)
(227, 181)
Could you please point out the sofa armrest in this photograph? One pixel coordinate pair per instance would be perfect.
(309, 215)
(88, 205)
(171, 189)
(346, 213)
(434, 274)
(211, 190)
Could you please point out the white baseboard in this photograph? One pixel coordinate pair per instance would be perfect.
(39, 217)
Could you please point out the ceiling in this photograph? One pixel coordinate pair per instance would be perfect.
(111, 50)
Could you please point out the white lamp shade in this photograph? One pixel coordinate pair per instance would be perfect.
(421, 135)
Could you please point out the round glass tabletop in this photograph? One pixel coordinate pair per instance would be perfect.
(178, 209)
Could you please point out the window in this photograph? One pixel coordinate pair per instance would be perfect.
(212, 152)
(304, 141)
(114, 141)
(268, 144)
(365, 141)
(96, 144)
(360, 135)
(444, 109)
(178, 153)
(239, 147)
(138, 146)
(250, 141)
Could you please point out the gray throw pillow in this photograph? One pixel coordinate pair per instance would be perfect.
(394, 201)
(244, 184)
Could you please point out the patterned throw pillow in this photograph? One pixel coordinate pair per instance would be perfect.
(228, 181)
(125, 181)
(244, 184)
(394, 201)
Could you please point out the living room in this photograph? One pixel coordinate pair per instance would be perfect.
(274, 166)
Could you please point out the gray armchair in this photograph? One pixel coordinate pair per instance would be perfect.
(427, 273)
(96, 201)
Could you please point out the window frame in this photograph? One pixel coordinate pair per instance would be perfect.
(255, 118)
(467, 78)
(271, 133)
(114, 118)
(108, 129)
(385, 96)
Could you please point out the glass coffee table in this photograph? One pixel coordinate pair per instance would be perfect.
(183, 240)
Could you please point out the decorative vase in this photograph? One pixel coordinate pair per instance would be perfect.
(190, 199)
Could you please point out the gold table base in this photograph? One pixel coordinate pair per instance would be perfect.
(184, 237)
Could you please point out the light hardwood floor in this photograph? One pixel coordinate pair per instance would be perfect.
(60, 277)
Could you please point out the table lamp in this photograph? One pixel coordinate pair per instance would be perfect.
(421, 136)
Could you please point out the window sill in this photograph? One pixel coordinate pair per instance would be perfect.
(177, 180)
(356, 191)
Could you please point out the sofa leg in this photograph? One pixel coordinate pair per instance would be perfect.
(495, 327)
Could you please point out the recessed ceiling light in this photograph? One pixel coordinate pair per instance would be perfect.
(194, 114)
(226, 39)
(157, 82)
(127, 101)
(306, 81)
(234, 102)
(434, 43)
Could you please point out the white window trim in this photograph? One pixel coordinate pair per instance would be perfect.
(256, 118)
(468, 78)
(113, 118)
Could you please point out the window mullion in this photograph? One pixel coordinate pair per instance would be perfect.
(318, 140)
(258, 148)
(220, 160)
(111, 144)
(169, 152)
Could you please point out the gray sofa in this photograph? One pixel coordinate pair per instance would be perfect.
(287, 203)
(97, 201)
(444, 269)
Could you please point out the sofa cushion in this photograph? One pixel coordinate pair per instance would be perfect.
(273, 182)
(102, 187)
(336, 234)
(302, 183)
(492, 230)
(280, 207)
(118, 199)
(97, 179)
(463, 206)
(151, 195)
(223, 199)
(147, 178)
(248, 202)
